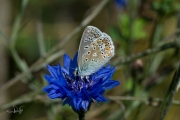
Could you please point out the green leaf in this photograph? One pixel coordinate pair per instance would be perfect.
(138, 29)
(124, 22)
(129, 84)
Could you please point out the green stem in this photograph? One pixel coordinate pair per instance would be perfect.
(170, 94)
(81, 116)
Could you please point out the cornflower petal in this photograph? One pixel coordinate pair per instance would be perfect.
(66, 62)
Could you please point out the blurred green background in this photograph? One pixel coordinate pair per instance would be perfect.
(146, 34)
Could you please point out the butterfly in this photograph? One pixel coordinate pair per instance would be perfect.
(95, 50)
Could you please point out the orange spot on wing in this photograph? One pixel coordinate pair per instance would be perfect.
(98, 41)
(104, 41)
(109, 54)
(108, 48)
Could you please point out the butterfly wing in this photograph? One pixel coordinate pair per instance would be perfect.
(100, 51)
(89, 35)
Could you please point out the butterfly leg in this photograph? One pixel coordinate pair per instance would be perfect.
(87, 78)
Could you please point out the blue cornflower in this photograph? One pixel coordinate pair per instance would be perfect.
(77, 91)
(120, 3)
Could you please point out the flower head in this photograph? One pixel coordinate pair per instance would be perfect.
(77, 91)
(120, 3)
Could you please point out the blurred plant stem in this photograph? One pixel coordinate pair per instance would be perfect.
(10, 44)
(15, 32)
(52, 54)
(32, 68)
(178, 34)
(133, 5)
(154, 78)
(156, 37)
(133, 8)
(28, 97)
(170, 94)
(4, 38)
(17, 23)
(175, 81)
(22, 65)
(81, 116)
(35, 96)
(145, 53)
(40, 39)
(5, 20)
(152, 101)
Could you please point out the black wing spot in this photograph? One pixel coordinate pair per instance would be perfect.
(86, 59)
(86, 47)
(90, 38)
(94, 48)
(89, 53)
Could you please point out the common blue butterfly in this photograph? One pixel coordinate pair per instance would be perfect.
(96, 49)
